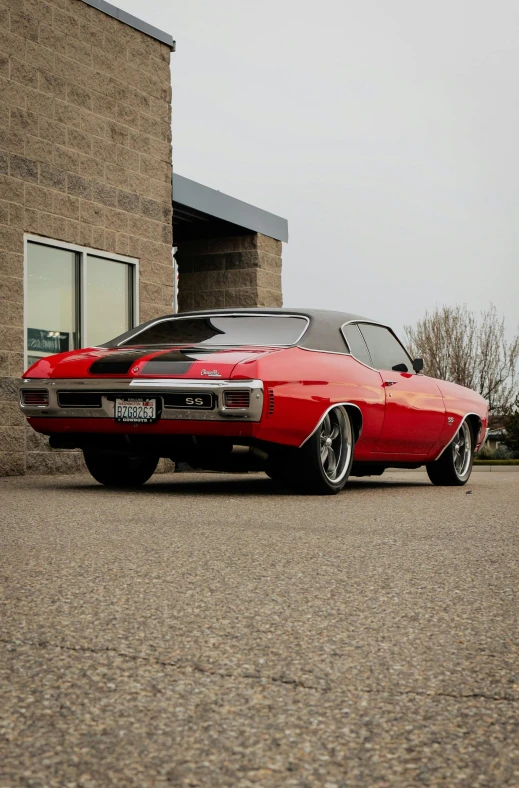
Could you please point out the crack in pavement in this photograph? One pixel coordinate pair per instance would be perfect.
(439, 694)
(296, 683)
(165, 663)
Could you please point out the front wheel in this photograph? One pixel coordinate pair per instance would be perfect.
(120, 471)
(323, 464)
(454, 467)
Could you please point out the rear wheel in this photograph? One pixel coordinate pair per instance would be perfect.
(120, 471)
(323, 464)
(454, 467)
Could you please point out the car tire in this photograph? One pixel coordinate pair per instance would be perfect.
(322, 465)
(454, 467)
(122, 472)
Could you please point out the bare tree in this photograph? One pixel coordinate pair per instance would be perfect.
(456, 345)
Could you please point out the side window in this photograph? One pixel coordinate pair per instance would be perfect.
(356, 343)
(385, 349)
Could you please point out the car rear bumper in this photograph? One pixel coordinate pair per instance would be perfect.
(104, 391)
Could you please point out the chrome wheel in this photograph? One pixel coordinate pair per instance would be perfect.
(462, 450)
(454, 466)
(335, 444)
(322, 464)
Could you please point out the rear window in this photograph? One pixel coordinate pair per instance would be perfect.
(222, 330)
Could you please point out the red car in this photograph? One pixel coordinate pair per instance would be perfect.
(310, 397)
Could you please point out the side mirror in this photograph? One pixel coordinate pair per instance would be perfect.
(418, 364)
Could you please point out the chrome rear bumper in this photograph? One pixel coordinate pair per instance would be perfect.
(144, 387)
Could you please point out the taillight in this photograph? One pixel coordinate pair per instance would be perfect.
(237, 399)
(35, 398)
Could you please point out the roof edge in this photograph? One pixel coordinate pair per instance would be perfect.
(222, 206)
(132, 21)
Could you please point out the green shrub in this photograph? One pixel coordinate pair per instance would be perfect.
(485, 453)
(502, 453)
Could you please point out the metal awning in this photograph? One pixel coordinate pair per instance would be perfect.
(201, 212)
(132, 21)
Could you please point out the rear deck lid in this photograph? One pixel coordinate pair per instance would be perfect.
(146, 362)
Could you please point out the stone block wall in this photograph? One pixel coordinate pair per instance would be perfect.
(239, 271)
(85, 157)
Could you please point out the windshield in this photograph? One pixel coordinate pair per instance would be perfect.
(222, 331)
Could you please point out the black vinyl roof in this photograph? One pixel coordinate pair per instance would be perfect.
(323, 332)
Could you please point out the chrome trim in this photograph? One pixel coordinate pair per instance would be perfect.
(132, 387)
(331, 352)
(326, 412)
(457, 429)
(213, 314)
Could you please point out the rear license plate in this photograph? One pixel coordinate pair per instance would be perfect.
(135, 411)
(191, 400)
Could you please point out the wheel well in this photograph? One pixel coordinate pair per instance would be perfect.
(476, 424)
(356, 419)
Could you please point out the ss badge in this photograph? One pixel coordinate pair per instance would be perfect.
(450, 419)
(189, 399)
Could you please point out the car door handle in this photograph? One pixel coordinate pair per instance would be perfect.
(389, 382)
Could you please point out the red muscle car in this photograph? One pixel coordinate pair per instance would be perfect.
(308, 396)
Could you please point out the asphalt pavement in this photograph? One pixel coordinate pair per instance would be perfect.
(213, 630)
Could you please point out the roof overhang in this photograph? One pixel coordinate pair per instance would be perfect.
(215, 213)
(132, 21)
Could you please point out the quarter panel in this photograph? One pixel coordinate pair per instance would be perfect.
(302, 384)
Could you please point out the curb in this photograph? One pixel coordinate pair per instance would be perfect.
(475, 469)
(496, 468)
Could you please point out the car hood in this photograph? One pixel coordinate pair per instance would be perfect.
(197, 361)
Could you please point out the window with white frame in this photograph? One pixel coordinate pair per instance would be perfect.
(75, 297)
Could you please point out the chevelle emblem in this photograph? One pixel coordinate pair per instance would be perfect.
(211, 373)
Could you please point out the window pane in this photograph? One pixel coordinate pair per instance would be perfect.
(108, 300)
(51, 301)
(386, 351)
(356, 344)
(222, 330)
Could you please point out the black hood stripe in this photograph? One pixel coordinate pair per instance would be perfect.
(117, 362)
(172, 362)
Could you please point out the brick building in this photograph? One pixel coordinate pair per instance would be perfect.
(86, 214)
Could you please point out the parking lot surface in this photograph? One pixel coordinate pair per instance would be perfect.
(212, 630)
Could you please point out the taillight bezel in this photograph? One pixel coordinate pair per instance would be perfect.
(245, 396)
(44, 397)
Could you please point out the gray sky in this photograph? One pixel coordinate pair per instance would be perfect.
(387, 133)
